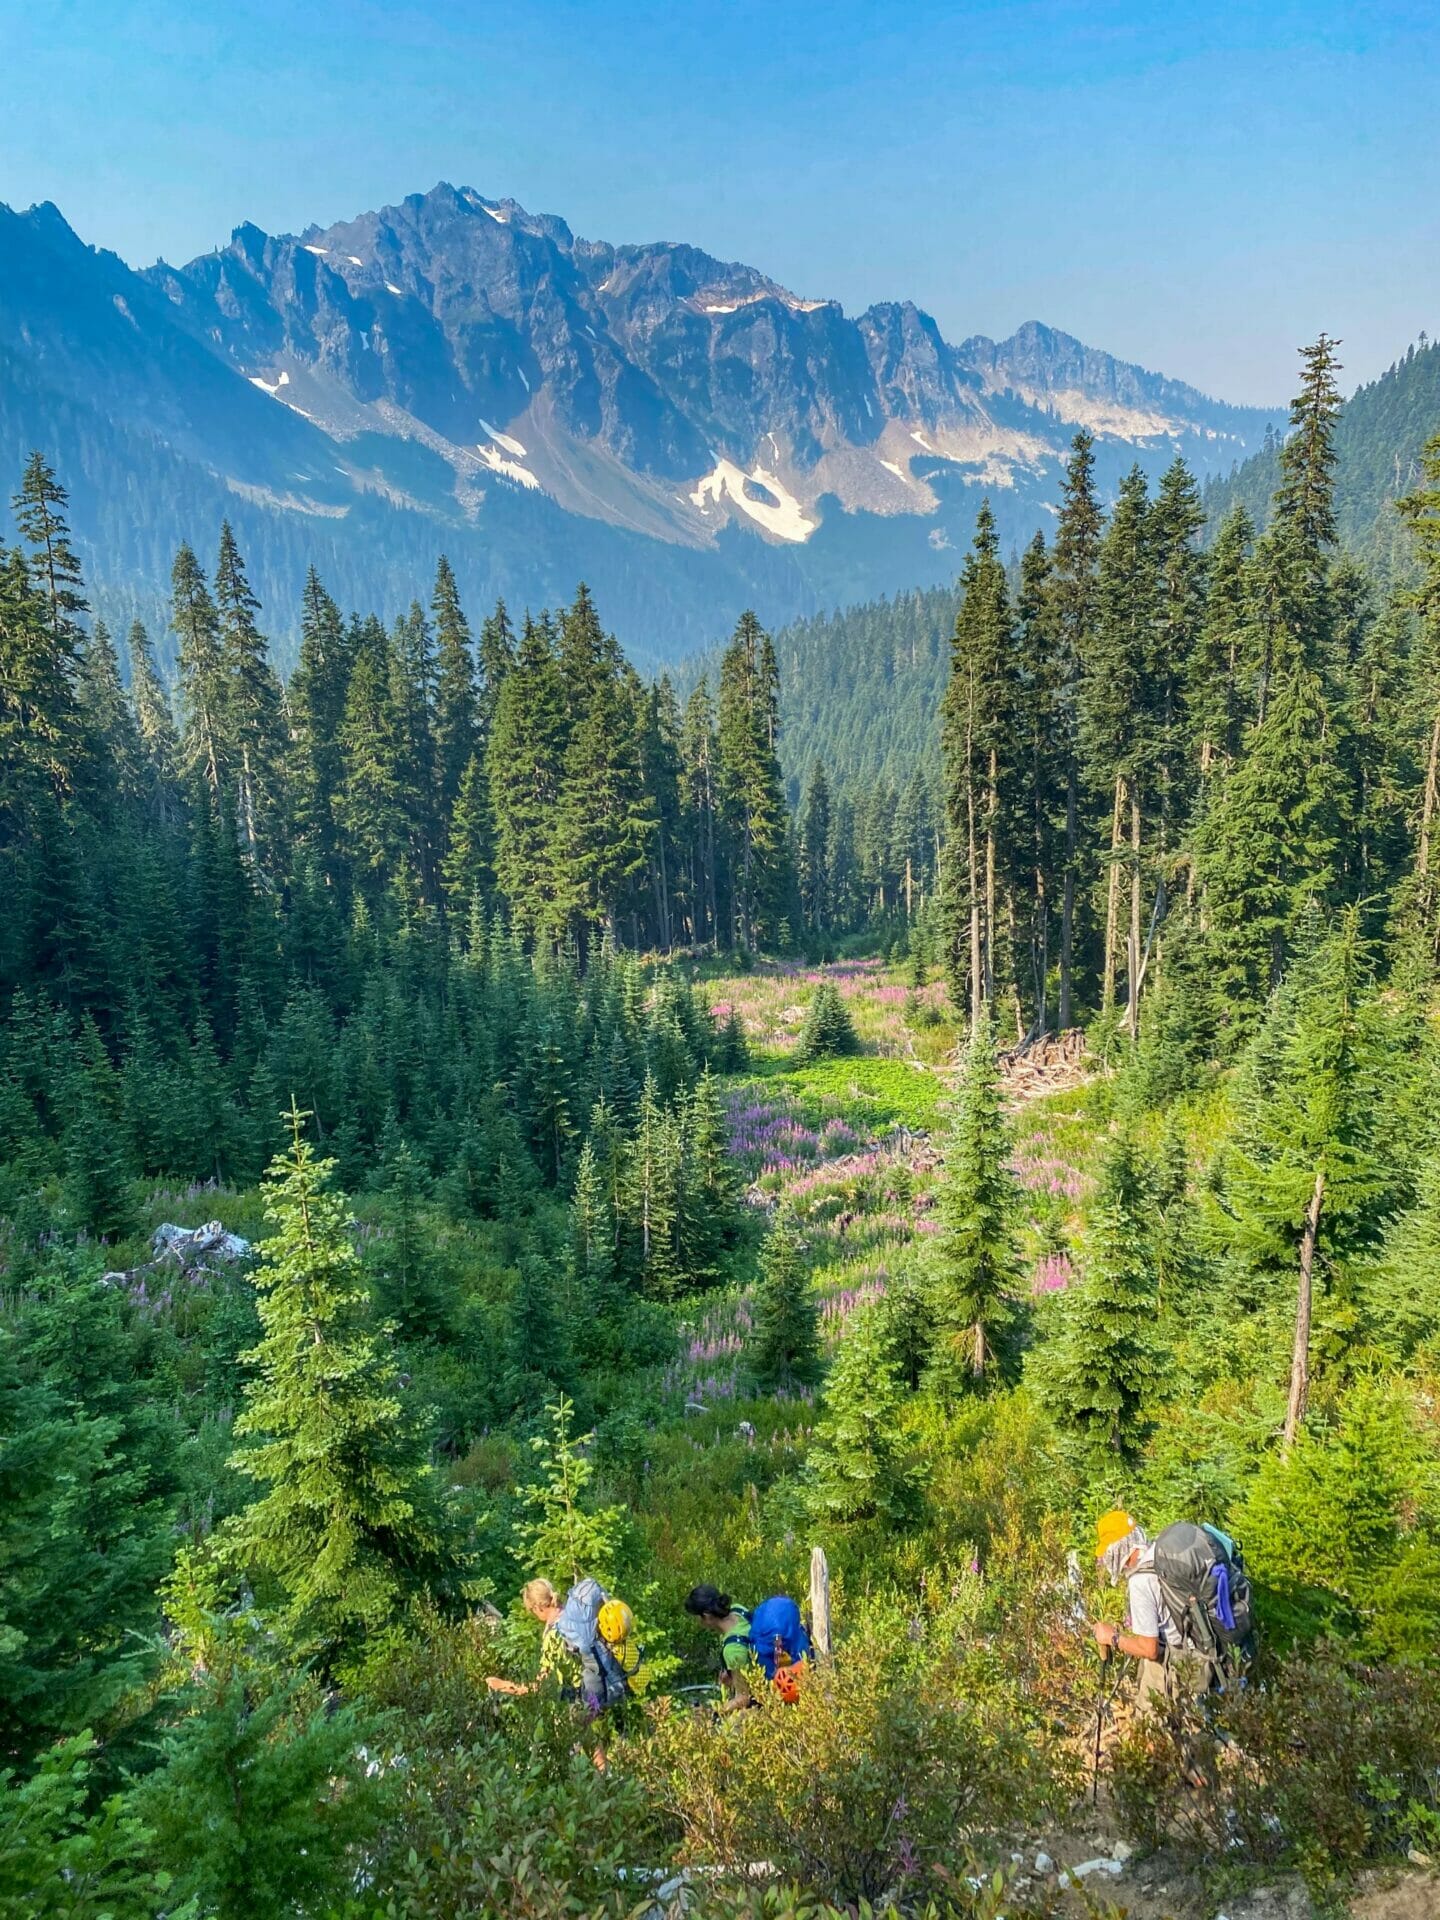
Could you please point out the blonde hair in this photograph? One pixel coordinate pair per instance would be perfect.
(536, 1594)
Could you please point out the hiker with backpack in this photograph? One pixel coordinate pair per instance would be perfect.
(588, 1627)
(1189, 1619)
(770, 1643)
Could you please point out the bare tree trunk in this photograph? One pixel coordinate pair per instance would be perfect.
(977, 1364)
(1133, 969)
(1429, 804)
(977, 987)
(1112, 897)
(1012, 935)
(992, 812)
(1041, 950)
(820, 1603)
(1067, 906)
(1304, 1302)
(247, 802)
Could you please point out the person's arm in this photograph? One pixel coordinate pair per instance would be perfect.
(736, 1689)
(1139, 1646)
(1141, 1640)
(737, 1663)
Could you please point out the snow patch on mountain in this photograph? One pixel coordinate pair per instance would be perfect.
(504, 440)
(390, 287)
(508, 469)
(781, 515)
(309, 249)
(1111, 418)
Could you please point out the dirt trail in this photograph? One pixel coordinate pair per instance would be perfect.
(1160, 1886)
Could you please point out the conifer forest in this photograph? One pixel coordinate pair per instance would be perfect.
(475, 1113)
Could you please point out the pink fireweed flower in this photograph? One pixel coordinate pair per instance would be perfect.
(1053, 1274)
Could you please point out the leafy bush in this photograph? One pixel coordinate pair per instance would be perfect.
(263, 1800)
(964, 1898)
(1322, 1766)
(60, 1858)
(521, 1823)
(1343, 1533)
(893, 1764)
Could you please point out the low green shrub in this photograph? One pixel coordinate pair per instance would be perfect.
(63, 1858)
(1322, 1765)
(884, 1780)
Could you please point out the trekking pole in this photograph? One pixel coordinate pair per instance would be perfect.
(1099, 1727)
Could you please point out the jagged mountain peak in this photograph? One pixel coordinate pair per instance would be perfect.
(645, 413)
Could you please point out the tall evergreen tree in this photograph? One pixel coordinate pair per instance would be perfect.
(784, 1351)
(250, 711)
(457, 724)
(349, 1520)
(412, 699)
(525, 764)
(1304, 1180)
(748, 790)
(661, 779)
(1074, 558)
(201, 666)
(1305, 499)
(315, 699)
(1180, 566)
(699, 753)
(606, 817)
(39, 510)
(1037, 798)
(1106, 1364)
(1115, 729)
(39, 604)
(976, 719)
(155, 725)
(815, 902)
(370, 801)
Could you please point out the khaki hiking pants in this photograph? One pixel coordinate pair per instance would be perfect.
(1179, 1676)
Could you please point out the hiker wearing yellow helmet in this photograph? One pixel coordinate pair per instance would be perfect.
(1151, 1633)
(574, 1630)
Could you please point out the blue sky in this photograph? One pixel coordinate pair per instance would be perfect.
(1199, 188)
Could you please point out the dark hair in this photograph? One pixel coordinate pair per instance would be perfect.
(708, 1600)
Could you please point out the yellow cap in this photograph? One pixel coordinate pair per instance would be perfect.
(1113, 1527)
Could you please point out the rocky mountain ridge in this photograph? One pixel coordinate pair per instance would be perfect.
(454, 373)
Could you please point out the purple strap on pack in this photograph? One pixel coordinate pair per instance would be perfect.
(1223, 1608)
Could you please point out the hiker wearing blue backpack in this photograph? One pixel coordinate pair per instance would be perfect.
(1189, 1619)
(770, 1643)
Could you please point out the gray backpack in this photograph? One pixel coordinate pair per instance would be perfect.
(1202, 1576)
